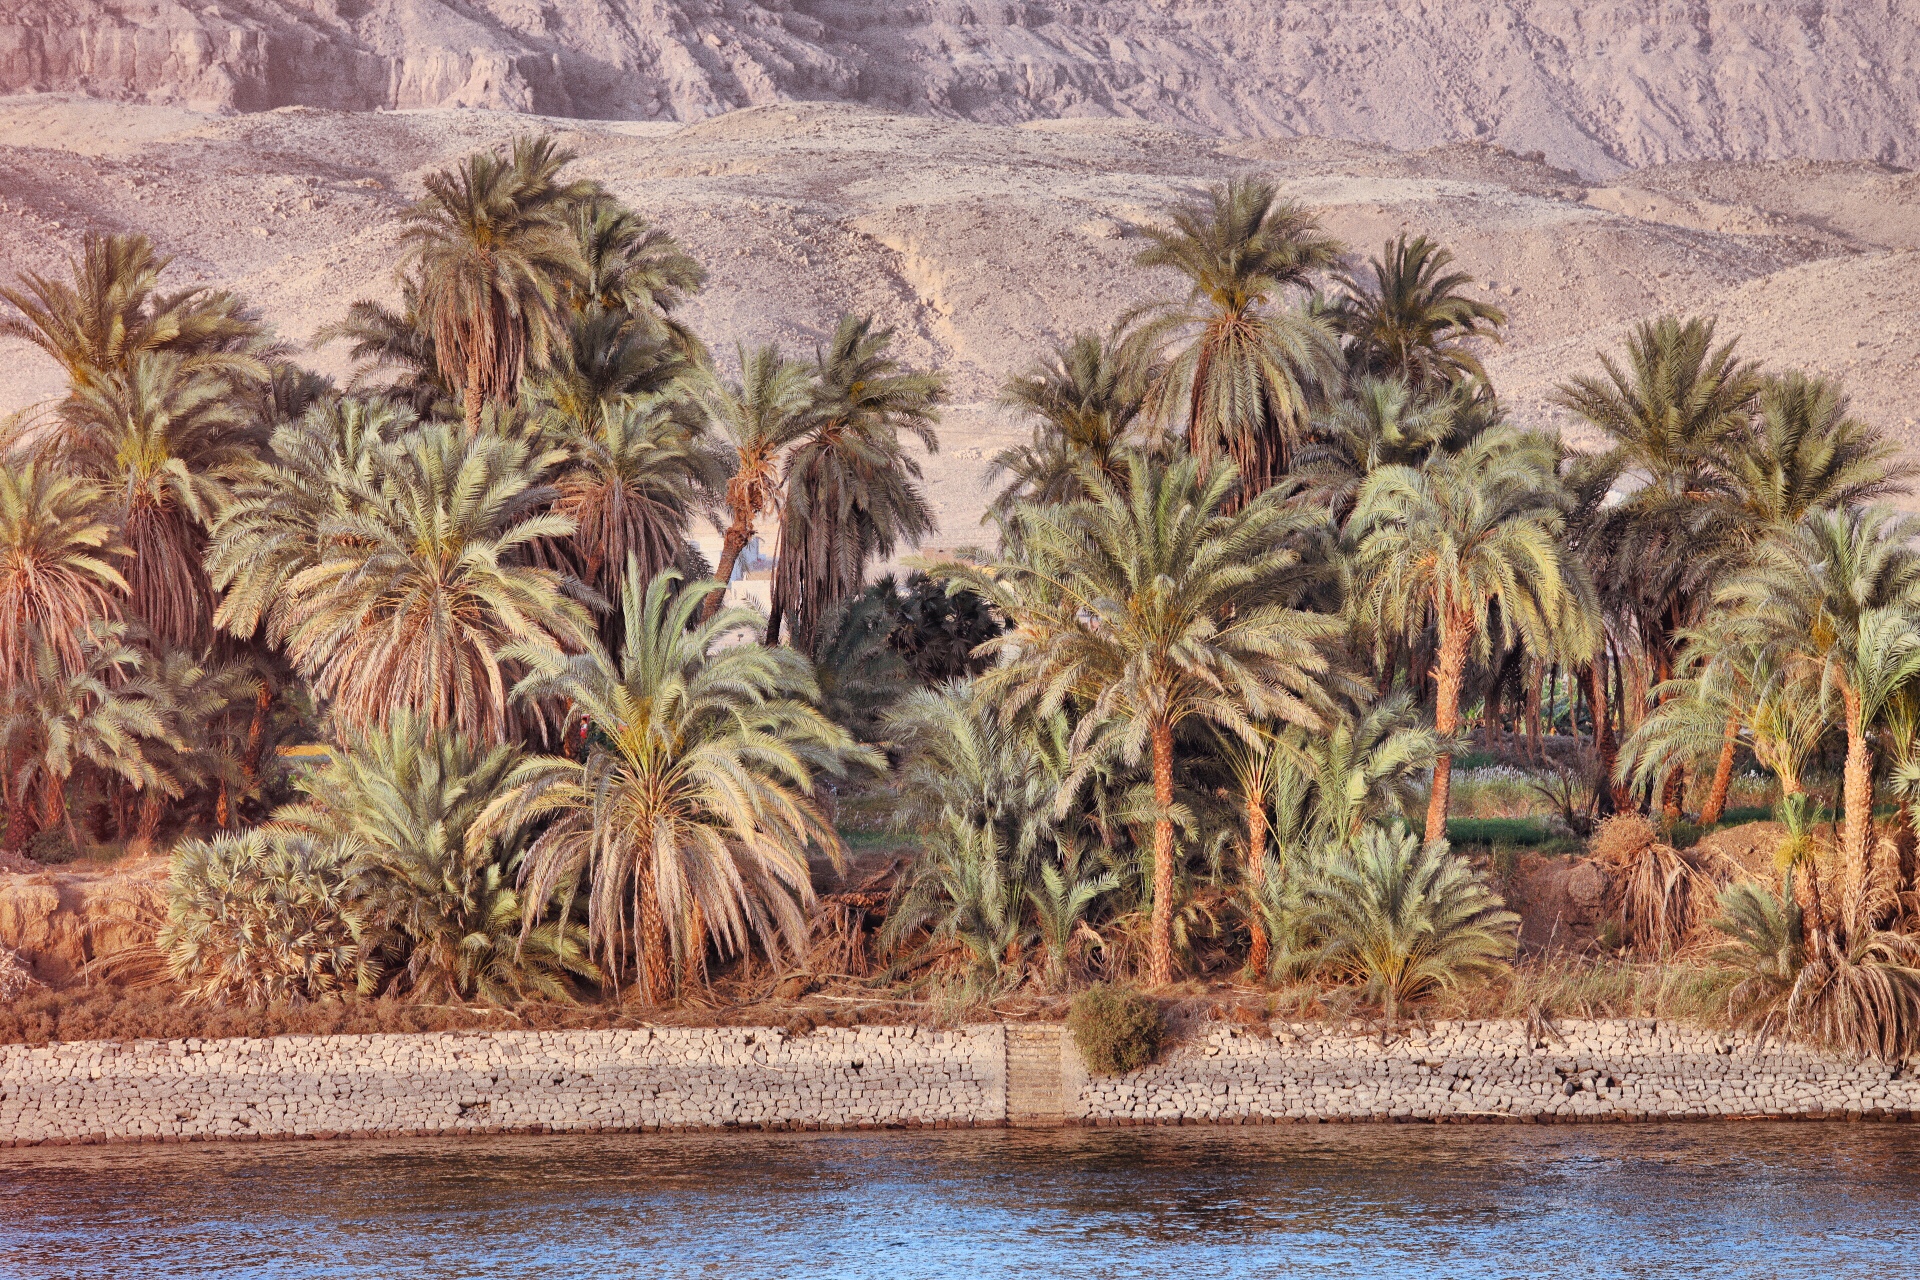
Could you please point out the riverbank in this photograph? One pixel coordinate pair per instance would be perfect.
(649, 1079)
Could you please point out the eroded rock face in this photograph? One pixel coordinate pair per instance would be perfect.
(1596, 86)
(56, 921)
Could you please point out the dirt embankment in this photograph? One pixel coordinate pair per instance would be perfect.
(57, 920)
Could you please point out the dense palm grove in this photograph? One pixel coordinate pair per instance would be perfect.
(1272, 556)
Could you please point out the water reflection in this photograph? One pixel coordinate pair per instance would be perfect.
(1722, 1201)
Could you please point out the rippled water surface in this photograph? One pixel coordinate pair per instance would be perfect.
(1699, 1200)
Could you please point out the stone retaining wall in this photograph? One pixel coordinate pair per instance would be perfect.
(870, 1077)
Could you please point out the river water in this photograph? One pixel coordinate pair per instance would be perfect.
(1728, 1200)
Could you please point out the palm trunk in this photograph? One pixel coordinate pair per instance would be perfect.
(471, 401)
(1605, 752)
(1673, 792)
(257, 734)
(1857, 792)
(694, 959)
(1716, 805)
(1536, 676)
(1160, 949)
(1456, 631)
(656, 962)
(151, 807)
(738, 535)
(1257, 956)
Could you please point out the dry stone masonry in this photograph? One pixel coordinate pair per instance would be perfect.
(870, 1077)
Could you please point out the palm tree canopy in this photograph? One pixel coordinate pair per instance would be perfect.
(417, 588)
(58, 545)
(1805, 451)
(1244, 376)
(1412, 320)
(632, 268)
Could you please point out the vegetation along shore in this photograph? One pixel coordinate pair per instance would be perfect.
(1291, 677)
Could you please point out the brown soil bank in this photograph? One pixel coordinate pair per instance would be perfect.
(58, 919)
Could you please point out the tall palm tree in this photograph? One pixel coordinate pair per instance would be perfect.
(1836, 599)
(416, 591)
(57, 573)
(632, 268)
(1442, 544)
(1805, 451)
(1412, 321)
(691, 803)
(1089, 396)
(114, 311)
(758, 418)
(490, 248)
(1152, 606)
(167, 442)
(1244, 375)
(852, 489)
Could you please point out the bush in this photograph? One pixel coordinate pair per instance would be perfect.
(263, 916)
(51, 846)
(1664, 895)
(1116, 1031)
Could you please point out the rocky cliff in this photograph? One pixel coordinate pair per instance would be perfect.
(1597, 85)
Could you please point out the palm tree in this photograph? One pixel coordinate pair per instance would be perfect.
(113, 312)
(382, 338)
(57, 548)
(852, 490)
(166, 443)
(1805, 452)
(758, 417)
(1835, 600)
(441, 911)
(1382, 422)
(326, 466)
(194, 694)
(1412, 321)
(629, 267)
(1442, 544)
(415, 591)
(1247, 368)
(689, 813)
(1089, 396)
(490, 249)
(1152, 606)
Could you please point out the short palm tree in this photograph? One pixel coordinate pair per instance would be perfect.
(1241, 379)
(441, 913)
(1412, 320)
(1405, 917)
(195, 694)
(398, 342)
(167, 444)
(688, 813)
(1089, 396)
(1382, 422)
(852, 490)
(1152, 606)
(1442, 544)
(489, 248)
(757, 417)
(416, 589)
(1836, 601)
(57, 572)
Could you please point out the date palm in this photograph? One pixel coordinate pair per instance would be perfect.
(1242, 378)
(114, 311)
(57, 572)
(1441, 545)
(166, 441)
(416, 590)
(490, 249)
(631, 268)
(689, 813)
(757, 417)
(1806, 451)
(1412, 320)
(1089, 396)
(1836, 601)
(381, 338)
(1152, 606)
(325, 466)
(853, 491)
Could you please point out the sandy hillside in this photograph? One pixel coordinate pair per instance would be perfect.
(981, 242)
(1597, 85)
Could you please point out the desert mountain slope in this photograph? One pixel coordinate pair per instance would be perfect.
(981, 243)
(1596, 85)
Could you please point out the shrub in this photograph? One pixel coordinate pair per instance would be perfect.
(1404, 917)
(1116, 1031)
(1663, 895)
(263, 916)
